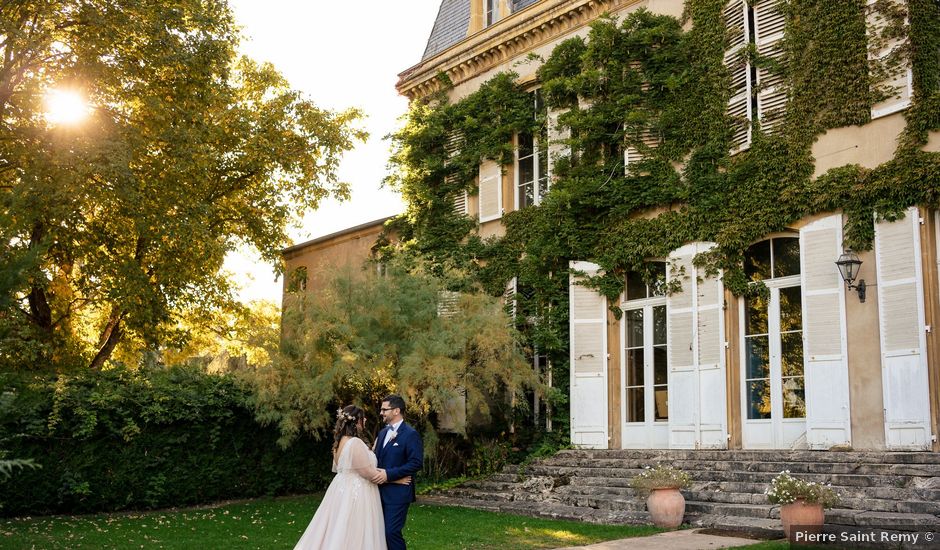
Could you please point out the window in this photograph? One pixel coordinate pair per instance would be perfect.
(773, 332)
(888, 57)
(298, 280)
(772, 259)
(645, 366)
(648, 283)
(755, 91)
(491, 12)
(532, 162)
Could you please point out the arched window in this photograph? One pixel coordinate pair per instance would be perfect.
(772, 259)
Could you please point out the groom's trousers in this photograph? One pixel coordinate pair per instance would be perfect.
(394, 522)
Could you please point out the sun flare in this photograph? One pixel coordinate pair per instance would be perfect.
(65, 107)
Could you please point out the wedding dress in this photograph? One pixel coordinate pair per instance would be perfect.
(350, 515)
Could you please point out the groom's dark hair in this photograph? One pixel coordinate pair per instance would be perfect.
(396, 402)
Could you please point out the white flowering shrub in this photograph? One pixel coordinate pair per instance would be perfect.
(786, 489)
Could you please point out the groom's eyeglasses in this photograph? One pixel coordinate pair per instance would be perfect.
(383, 409)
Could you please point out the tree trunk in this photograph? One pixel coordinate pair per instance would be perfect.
(110, 338)
(39, 310)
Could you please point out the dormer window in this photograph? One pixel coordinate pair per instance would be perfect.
(490, 12)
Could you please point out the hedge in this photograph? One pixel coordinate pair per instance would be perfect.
(155, 438)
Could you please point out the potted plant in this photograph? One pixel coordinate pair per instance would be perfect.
(665, 503)
(802, 503)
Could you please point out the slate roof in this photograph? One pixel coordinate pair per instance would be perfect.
(453, 20)
(450, 27)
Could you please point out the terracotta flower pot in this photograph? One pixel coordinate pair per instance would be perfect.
(805, 515)
(666, 507)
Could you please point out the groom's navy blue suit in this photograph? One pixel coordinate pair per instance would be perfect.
(402, 456)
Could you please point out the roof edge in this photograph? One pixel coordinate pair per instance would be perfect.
(340, 233)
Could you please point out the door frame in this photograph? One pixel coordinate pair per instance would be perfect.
(655, 434)
(784, 432)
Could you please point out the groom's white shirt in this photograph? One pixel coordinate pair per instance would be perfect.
(388, 433)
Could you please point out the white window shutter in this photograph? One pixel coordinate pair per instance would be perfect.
(460, 203)
(632, 155)
(739, 106)
(698, 414)
(447, 303)
(453, 145)
(897, 81)
(903, 334)
(491, 191)
(681, 351)
(557, 136)
(509, 297)
(769, 23)
(710, 338)
(825, 364)
(588, 343)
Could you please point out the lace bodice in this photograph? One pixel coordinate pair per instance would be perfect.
(356, 458)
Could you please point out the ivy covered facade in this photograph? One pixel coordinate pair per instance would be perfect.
(661, 189)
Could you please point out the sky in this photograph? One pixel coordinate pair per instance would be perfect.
(340, 55)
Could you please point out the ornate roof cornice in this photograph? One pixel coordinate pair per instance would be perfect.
(515, 35)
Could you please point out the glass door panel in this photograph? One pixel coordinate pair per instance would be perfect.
(636, 364)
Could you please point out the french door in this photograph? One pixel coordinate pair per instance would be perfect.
(644, 395)
(773, 390)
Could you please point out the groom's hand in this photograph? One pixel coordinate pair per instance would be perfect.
(380, 477)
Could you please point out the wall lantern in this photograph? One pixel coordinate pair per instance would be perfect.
(849, 265)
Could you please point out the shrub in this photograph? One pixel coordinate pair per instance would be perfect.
(153, 438)
(489, 456)
(661, 477)
(786, 489)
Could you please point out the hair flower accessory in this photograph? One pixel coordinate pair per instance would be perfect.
(343, 415)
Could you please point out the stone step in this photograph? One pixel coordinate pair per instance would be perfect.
(885, 493)
(836, 480)
(856, 457)
(797, 468)
(757, 528)
(766, 511)
(545, 509)
(632, 507)
(884, 520)
(478, 494)
(745, 493)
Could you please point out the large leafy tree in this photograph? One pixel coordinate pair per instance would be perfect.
(187, 151)
(361, 336)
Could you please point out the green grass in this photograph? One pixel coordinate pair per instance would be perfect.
(279, 522)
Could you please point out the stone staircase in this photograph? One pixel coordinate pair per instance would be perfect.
(897, 492)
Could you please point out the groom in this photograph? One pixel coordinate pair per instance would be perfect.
(400, 453)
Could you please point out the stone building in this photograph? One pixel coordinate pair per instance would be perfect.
(306, 264)
(810, 364)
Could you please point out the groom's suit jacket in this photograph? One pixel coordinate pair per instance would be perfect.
(403, 456)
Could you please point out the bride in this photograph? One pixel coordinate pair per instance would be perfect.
(350, 515)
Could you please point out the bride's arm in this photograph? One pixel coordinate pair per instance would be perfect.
(361, 462)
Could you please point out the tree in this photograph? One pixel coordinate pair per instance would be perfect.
(187, 150)
(362, 335)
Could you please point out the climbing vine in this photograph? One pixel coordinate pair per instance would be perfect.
(654, 80)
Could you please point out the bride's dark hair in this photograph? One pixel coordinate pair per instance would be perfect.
(347, 423)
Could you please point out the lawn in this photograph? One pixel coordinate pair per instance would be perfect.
(279, 522)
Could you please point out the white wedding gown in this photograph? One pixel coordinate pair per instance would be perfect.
(350, 515)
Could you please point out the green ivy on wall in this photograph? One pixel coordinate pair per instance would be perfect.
(647, 75)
